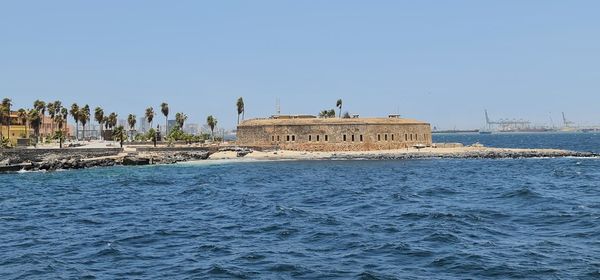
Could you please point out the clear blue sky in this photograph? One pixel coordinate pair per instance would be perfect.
(439, 61)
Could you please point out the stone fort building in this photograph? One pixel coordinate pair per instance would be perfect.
(308, 133)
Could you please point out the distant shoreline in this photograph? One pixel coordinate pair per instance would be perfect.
(49, 160)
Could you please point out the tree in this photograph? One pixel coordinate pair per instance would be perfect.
(180, 119)
(99, 117)
(164, 108)
(84, 117)
(112, 120)
(240, 108)
(35, 121)
(339, 105)
(65, 114)
(105, 122)
(149, 115)
(212, 123)
(131, 121)
(6, 104)
(327, 114)
(119, 134)
(60, 121)
(346, 115)
(40, 106)
(23, 116)
(75, 114)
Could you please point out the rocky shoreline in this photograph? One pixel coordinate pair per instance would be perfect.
(81, 160)
(78, 159)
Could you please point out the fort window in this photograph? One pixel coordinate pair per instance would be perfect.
(309, 138)
(392, 137)
(344, 137)
(378, 137)
(278, 138)
(352, 137)
(385, 137)
(288, 138)
(326, 138)
(411, 138)
(273, 138)
(361, 138)
(320, 137)
(293, 138)
(405, 137)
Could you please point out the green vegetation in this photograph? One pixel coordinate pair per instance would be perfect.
(339, 105)
(212, 123)
(99, 117)
(240, 109)
(75, 114)
(119, 134)
(58, 115)
(327, 114)
(164, 108)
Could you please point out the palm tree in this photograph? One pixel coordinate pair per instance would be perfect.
(22, 116)
(240, 108)
(59, 120)
(149, 115)
(112, 120)
(75, 114)
(84, 117)
(105, 122)
(6, 104)
(2, 116)
(119, 134)
(65, 114)
(99, 117)
(211, 122)
(51, 113)
(35, 121)
(131, 121)
(180, 119)
(339, 105)
(40, 106)
(164, 108)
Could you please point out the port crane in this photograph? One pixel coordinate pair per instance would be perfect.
(506, 124)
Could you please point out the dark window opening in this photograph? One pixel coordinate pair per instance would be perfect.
(405, 137)
(309, 138)
(278, 138)
(352, 137)
(288, 138)
(344, 137)
(392, 137)
(319, 137)
(361, 138)
(293, 138)
(385, 137)
(326, 138)
(378, 137)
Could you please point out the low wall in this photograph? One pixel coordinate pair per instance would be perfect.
(177, 149)
(22, 155)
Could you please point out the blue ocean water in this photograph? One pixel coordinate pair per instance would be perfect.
(403, 219)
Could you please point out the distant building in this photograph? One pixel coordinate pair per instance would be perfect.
(143, 125)
(192, 128)
(20, 130)
(308, 133)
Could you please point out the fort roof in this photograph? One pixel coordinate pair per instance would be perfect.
(329, 121)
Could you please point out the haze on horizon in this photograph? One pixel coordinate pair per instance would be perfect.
(442, 62)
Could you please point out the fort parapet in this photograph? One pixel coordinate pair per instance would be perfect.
(307, 133)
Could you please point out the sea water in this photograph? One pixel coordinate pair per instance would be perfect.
(402, 219)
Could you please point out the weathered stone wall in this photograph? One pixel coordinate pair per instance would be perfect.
(330, 137)
(22, 155)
